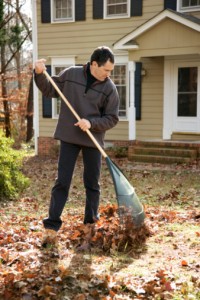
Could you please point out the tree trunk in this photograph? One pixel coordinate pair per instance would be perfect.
(4, 96)
(29, 116)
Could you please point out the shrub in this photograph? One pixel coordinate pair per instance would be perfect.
(12, 180)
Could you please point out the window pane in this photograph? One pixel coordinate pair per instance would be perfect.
(185, 3)
(118, 76)
(194, 2)
(117, 7)
(187, 92)
(57, 102)
(187, 105)
(63, 9)
(190, 3)
(59, 69)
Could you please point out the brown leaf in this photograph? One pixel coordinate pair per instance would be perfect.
(184, 263)
(112, 294)
(75, 235)
(169, 286)
(80, 297)
(46, 290)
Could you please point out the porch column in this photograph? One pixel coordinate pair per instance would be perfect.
(131, 106)
(168, 100)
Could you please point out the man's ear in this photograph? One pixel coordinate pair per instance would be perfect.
(94, 64)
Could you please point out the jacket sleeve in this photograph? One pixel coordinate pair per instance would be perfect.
(109, 117)
(46, 87)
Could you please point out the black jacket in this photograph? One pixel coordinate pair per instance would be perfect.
(99, 105)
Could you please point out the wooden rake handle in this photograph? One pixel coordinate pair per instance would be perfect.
(75, 113)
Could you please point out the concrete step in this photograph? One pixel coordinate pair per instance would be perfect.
(163, 151)
(168, 144)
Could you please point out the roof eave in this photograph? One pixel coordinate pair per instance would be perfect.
(121, 44)
(125, 47)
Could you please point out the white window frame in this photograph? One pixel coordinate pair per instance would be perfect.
(59, 62)
(123, 60)
(62, 20)
(186, 9)
(118, 16)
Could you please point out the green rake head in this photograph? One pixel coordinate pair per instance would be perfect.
(129, 205)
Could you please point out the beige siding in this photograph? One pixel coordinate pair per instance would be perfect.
(46, 125)
(119, 132)
(79, 39)
(151, 123)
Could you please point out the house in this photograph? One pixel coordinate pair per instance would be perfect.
(157, 49)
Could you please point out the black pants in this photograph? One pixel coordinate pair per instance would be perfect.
(60, 191)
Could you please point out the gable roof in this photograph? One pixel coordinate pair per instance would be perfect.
(128, 42)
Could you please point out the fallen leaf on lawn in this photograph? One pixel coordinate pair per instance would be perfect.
(46, 290)
(112, 294)
(4, 255)
(30, 275)
(184, 263)
(9, 278)
(169, 286)
(80, 297)
(75, 235)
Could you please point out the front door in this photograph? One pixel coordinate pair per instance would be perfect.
(186, 97)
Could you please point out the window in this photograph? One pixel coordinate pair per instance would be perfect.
(187, 92)
(59, 64)
(63, 10)
(189, 4)
(119, 77)
(57, 101)
(117, 8)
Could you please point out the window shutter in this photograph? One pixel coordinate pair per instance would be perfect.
(136, 8)
(138, 86)
(47, 102)
(46, 11)
(80, 10)
(97, 9)
(170, 4)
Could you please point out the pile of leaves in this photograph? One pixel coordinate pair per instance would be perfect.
(110, 233)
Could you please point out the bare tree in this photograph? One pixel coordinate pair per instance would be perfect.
(15, 71)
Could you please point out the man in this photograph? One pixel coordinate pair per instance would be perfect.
(94, 97)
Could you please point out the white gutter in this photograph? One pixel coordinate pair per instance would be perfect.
(35, 90)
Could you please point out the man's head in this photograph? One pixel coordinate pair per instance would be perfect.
(101, 63)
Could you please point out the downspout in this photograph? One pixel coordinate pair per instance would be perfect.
(35, 90)
(131, 106)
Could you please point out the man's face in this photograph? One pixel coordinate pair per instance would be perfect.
(101, 73)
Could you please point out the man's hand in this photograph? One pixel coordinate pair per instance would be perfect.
(40, 66)
(83, 124)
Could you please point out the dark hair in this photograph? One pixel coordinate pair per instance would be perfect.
(101, 55)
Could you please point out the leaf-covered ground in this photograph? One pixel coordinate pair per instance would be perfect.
(111, 259)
